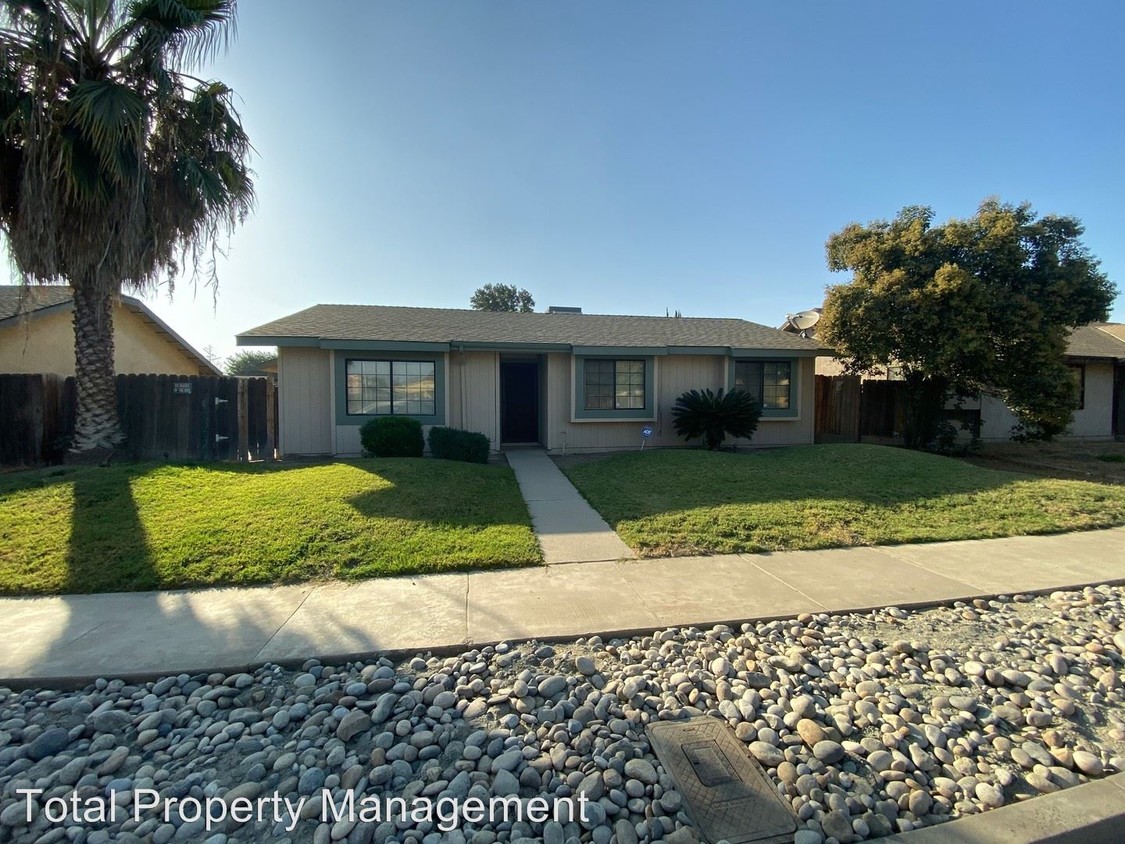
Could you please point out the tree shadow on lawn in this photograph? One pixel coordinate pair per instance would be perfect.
(108, 549)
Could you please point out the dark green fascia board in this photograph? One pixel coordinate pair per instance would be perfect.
(776, 354)
(383, 346)
(619, 351)
(255, 340)
(722, 351)
(535, 348)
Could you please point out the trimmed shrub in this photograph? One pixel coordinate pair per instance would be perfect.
(714, 415)
(455, 444)
(392, 436)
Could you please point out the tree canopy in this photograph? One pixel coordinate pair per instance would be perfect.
(249, 362)
(118, 167)
(983, 304)
(502, 297)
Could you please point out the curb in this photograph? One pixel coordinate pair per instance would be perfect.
(1091, 813)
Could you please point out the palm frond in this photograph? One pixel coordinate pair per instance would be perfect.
(189, 32)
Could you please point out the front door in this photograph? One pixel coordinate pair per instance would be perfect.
(519, 402)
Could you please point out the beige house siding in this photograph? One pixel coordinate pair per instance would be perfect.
(472, 396)
(473, 387)
(674, 374)
(45, 344)
(799, 431)
(304, 381)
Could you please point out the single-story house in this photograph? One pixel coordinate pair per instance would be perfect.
(564, 380)
(37, 336)
(1095, 354)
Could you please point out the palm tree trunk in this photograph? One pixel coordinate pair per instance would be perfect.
(96, 424)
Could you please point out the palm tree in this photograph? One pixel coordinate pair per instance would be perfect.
(118, 169)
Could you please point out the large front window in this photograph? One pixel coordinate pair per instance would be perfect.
(615, 385)
(383, 387)
(769, 381)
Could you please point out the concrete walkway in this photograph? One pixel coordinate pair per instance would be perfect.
(569, 530)
(67, 639)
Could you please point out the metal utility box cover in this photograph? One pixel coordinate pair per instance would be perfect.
(728, 794)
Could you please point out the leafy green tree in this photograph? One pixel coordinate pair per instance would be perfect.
(502, 297)
(118, 169)
(711, 415)
(978, 305)
(249, 362)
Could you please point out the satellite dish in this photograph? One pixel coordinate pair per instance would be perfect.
(803, 320)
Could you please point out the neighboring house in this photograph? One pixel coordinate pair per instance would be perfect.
(1095, 354)
(37, 336)
(564, 380)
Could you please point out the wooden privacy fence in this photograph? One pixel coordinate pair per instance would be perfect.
(837, 408)
(848, 408)
(164, 417)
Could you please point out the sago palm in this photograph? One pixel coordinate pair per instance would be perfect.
(711, 415)
(118, 169)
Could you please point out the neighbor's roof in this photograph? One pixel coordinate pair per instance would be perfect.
(1097, 340)
(332, 326)
(19, 302)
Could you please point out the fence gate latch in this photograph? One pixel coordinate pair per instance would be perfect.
(219, 437)
(219, 401)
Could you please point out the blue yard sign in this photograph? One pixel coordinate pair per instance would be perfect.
(646, 432)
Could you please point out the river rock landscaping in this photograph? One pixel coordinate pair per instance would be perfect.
(868, 724)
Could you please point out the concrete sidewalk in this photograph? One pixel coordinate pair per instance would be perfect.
(568, 528)
(65, 639)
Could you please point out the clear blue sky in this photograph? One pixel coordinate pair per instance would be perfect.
(628, 157)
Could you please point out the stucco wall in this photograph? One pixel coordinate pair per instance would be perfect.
(304, 382)
(45, 344)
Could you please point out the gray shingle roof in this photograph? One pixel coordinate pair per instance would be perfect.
(16, 300)
(378, 323)
(1097, 340)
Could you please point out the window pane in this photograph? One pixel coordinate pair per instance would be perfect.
(598, 387)
(380, 387)
(1078, 376)
(748, 377)
(776, 385)
(629, 387)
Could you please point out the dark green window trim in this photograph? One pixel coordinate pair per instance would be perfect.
(769, 387)
(341, 384)
(582, 412)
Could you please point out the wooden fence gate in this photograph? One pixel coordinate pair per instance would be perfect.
(164, 417)
(837, 408)
(849, 409)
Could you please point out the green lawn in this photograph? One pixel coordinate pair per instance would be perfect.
(147, 526)
(697, 502)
